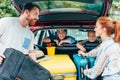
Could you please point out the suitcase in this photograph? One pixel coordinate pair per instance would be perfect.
(81, 63)
(61, 67)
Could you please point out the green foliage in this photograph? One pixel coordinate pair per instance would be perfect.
(116, 0)
(7, 9)
(95, 7)
(114, 12)
(59, 4)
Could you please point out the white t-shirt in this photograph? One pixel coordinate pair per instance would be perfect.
(13, 35)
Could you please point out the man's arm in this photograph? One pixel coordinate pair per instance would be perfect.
(31, 47)
(3, 28)
(31, 51)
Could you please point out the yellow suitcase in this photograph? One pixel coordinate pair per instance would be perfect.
(61, 67)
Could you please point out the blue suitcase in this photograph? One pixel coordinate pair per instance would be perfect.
(81, 63)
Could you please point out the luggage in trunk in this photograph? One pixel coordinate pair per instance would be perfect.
(61, 67)
(81, 64)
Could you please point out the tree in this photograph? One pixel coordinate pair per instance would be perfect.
(114, 12)
(7, 9)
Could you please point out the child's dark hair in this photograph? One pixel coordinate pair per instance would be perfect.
(63, 30)
(91, 31)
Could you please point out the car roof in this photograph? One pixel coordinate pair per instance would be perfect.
(76, 15)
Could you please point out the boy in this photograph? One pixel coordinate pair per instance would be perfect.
(89, 44)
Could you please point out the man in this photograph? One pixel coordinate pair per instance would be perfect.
(90, 43)
(15, 32)
(60, 38)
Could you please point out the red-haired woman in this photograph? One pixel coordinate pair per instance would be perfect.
(108, 53)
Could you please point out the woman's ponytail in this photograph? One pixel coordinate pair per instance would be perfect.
(117, 31)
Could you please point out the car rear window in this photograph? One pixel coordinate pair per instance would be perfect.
(76, 33)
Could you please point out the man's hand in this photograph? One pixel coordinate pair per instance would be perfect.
(1, 58)
(32, 55)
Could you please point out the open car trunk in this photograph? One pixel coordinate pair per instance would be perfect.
(60, 12)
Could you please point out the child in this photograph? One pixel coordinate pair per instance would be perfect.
(89, 44)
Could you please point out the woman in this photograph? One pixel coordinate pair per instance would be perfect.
(108, 53)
